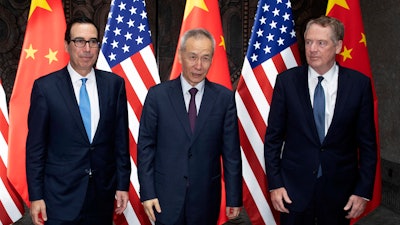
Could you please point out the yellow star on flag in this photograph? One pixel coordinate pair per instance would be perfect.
(52, 56)
(346, 53)
(30, 52)
(39, 3)
(222, 43)
(363, 39)
(332, 3)
(190, 4)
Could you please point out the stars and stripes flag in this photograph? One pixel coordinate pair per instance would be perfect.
(355, 55)
(11, 206)
(127, 50)
(272, 49)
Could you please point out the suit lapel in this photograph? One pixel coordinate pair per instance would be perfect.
(102, 92)
(64, 84)
(304, 95)
(178, 104)
(343, 89)
(206, 106)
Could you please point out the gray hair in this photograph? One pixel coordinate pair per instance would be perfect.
(326, 21)
(196, 33)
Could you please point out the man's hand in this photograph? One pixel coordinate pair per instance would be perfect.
(232, 212)
(277, 197)
(38, 212)
(122, 198)
(356, 205)
(148, 208)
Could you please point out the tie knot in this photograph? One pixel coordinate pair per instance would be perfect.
(84, 81)
(320, 78)
(193, 91)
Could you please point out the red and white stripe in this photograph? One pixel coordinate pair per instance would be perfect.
(11, 206)
(140, 72)
(253, 99)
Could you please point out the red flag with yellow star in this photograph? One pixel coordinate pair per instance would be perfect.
(354, 55)
(42, 52)
(205, 14)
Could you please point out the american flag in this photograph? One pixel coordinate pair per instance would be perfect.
(272, 49)
(11, 207)
(127, 50)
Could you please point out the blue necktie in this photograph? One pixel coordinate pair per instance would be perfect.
(319, 114)
(192, 112)
(84, 107)
(319, 109)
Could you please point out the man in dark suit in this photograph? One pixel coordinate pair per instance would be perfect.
(76, 167)
(321, 172)
(179, 163)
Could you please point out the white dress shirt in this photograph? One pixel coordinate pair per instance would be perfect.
(329, 84)
(91, 87)
(186, 95)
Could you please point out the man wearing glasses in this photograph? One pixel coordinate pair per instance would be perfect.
(77, 155)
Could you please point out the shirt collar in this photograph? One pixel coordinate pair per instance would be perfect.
(186, 86)
(328, 76)
(75, 76)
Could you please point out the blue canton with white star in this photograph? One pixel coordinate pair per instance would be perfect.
(273, 31)
(127, 30)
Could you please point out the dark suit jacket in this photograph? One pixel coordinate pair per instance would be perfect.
(291, 124)
(171, 158)
(58, 153)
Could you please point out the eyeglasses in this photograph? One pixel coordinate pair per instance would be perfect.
(80, 43)
(193, 59)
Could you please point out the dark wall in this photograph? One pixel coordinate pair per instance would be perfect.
(380, 21)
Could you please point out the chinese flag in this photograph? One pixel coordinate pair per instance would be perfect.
(355, 55)
(42, 52)
(205, 14)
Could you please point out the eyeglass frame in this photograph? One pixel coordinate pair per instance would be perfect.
(90, 42)
(194, 58)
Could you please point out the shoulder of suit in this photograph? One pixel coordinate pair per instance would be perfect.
(107, 75)
(294, 72)
(354, 74)
(216, 86)
(53, 75)
(104, 73)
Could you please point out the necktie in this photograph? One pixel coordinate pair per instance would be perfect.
(319, 109)
(192, 112)
(84, 107)
(319, 114)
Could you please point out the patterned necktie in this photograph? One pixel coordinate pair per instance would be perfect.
(192, 112)
(84, 107)
(319, 114)
(319, 109)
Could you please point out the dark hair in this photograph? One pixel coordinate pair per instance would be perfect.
(326, 21)
(196, 33)
(81, 19)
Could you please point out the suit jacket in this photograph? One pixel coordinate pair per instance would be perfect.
(59, 156)
(175, 165)
(348, 152)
